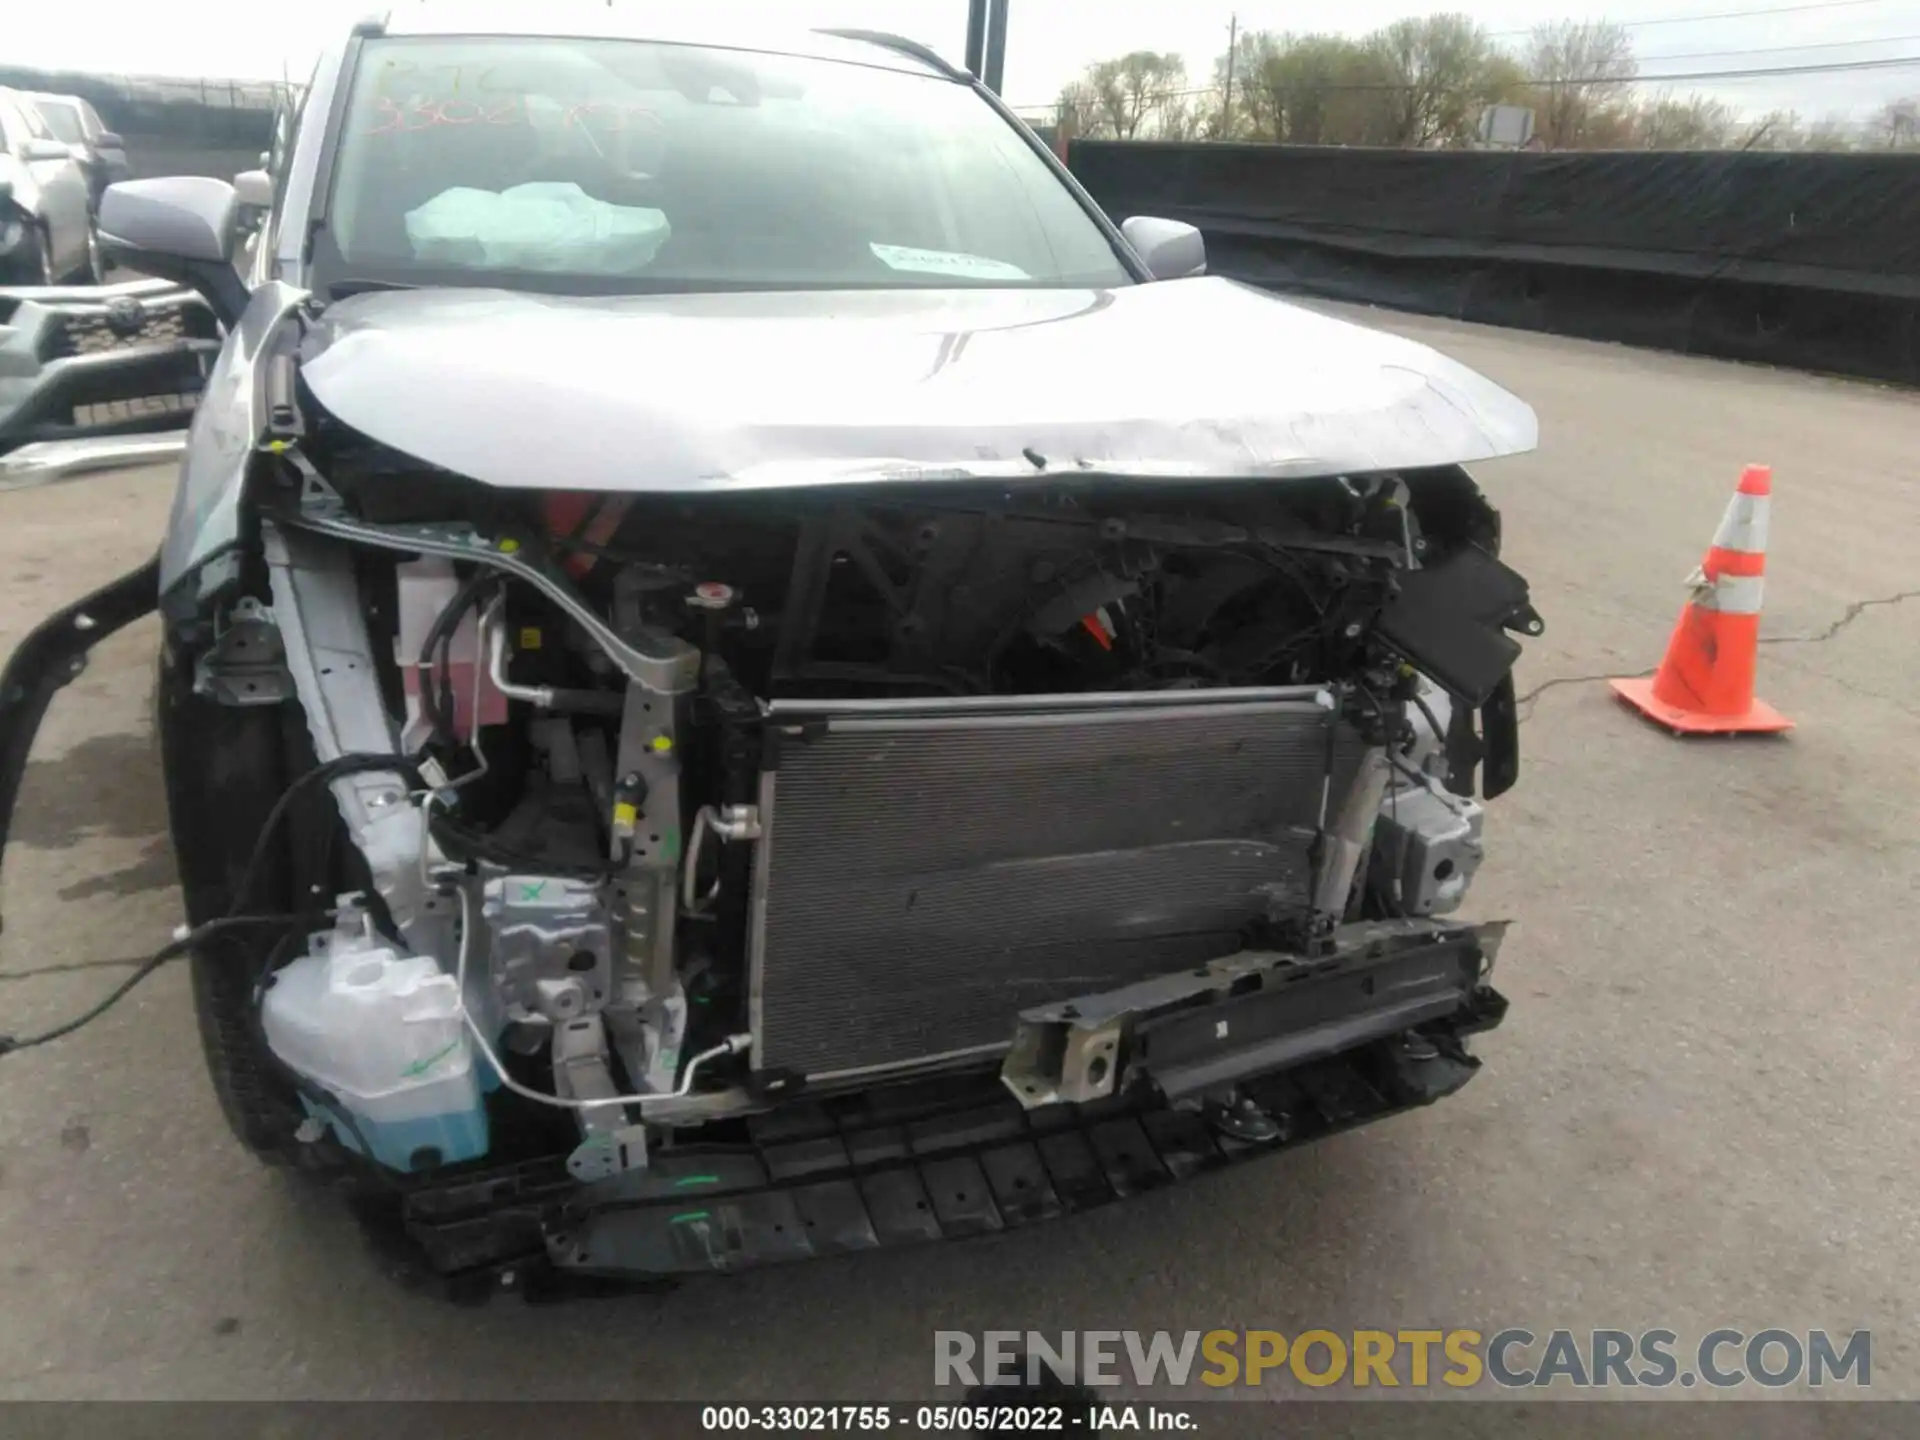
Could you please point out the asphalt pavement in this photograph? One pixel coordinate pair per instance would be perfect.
(1698, 1114)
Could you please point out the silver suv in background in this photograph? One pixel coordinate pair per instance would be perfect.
(46, 209)
(102, 154)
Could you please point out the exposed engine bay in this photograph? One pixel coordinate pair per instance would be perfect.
(689, 805)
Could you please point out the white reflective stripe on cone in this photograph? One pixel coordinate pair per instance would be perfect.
(1732, 595)
(1744, 526)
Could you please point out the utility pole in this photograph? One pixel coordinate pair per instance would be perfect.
(993, 76)
(987, 41)
(1233, 54)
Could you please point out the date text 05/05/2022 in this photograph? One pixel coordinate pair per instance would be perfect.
(983, 1419)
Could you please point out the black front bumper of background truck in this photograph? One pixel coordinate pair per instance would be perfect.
(92, 362)
(944, 1158)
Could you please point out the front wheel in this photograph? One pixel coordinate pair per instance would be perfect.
(33, 263)
(223, 769)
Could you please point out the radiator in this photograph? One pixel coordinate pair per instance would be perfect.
(929, 869)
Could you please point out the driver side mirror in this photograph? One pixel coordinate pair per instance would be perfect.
(178, 228)
(109, 140)
(1171, 249)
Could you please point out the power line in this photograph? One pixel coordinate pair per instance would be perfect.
(1831, 67)
(1723, 15)
(1785, 49)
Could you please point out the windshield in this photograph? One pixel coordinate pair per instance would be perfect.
(64, 123)
(598, 166)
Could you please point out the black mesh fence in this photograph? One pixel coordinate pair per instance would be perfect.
(1810, 260)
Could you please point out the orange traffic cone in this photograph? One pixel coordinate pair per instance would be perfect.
(1705, 682)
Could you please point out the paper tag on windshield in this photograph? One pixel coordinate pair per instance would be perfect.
(947, 262)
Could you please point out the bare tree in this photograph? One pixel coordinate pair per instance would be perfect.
(1897, 125)
(1425, 82)
(1337, 93)
(1775, 130)
(1578, 68)
(1695, 123)
(1303, 89)
(1130, 91)
(1439, 72)
(1078, 113)
(1503, 81)
(1830, 132)
(1187, 117)
(1252, 115)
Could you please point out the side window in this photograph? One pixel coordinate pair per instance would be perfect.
(36, 127)
(13, 126)
(60, 122)
(286, 125)
(286, 129)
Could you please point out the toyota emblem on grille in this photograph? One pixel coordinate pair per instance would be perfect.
(125, 316)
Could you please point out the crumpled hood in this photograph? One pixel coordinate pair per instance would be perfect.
(717, 392)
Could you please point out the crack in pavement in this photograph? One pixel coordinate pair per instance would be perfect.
(1524, 704)
(1853, 613)
(1537, 691)
(70, 967)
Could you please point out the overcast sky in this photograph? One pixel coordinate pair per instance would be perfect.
(1050, 40)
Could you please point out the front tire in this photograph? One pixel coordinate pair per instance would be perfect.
(35, 265)
(224, 768)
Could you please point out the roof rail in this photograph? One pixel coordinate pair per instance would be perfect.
(371, 25)
(899, 43)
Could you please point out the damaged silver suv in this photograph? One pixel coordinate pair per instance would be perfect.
(746, 676)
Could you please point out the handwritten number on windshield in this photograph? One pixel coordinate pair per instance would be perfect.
(392, 117)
